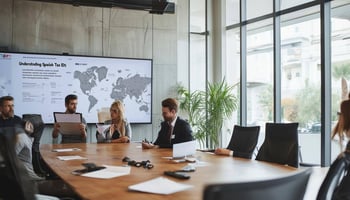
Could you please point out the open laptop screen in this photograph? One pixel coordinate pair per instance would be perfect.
(184, 149)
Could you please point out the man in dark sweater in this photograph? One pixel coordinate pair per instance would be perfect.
(71, 102)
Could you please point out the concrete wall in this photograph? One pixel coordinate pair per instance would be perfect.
(29, 26)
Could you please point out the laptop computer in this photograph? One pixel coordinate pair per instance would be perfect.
(182, 150)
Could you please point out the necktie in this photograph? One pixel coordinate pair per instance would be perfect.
(170, 131)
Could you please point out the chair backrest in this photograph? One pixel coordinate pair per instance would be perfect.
(14, 180)
(290, 187)
(103, 115)
(281, 144)
(337, 179)
(38, 124)
(243, 140)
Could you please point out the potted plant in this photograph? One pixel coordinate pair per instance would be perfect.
(207, 110)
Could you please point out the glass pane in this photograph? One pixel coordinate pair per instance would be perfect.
(260, 75)
(197, 16)
(232, 76)
(197, 45)
(300, 80)
(340, 62)
(232, 12)
(257, 8)
(291, 3)
(197, 62)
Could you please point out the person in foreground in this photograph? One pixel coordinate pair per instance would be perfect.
(119, 131)
(16, 184)
(23, 130)
(173, 129)
(18, 143)
(71, 102)
(342, 128)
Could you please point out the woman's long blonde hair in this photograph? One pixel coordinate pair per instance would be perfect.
(119, 123)
(342, 128)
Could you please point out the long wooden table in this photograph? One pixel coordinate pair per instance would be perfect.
(220, 169)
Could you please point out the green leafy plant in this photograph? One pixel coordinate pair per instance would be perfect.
(207, 110)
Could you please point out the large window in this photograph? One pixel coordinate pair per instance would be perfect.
(266, 46)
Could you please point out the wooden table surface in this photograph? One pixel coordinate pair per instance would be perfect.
(219, 169)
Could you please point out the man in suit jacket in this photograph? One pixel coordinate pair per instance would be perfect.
(173, 129)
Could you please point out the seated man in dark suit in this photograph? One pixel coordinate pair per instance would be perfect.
(173, 129)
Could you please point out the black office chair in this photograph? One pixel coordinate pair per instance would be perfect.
(38, 164)
(280, 144)
(290, 187)
(336, 184)
(14, 180)
(243, 141)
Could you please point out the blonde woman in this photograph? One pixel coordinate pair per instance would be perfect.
(119, 131)
(342, 128)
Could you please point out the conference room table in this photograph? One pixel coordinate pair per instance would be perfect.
(209, 169)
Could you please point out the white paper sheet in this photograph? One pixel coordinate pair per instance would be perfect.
(66, 150)
(65, 117)
(101, 127)
(69, 123)
(70, 128)
(160, 185)
(70, 158)
(109, 172)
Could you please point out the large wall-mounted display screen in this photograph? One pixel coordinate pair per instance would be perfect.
(40, 82)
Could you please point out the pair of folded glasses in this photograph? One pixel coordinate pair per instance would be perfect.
(145, 164)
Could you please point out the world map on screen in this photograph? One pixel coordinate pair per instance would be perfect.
(123, 85)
